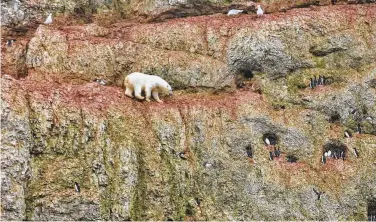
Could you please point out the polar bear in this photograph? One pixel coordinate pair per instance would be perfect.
(150, 84)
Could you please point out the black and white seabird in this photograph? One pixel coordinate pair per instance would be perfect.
(101, 81)
(76, 187)
(270, 155)
(259, 12)
(369, 118)
(198, 202)
(353, 111)
(347, 134)
(314, 82)
(277, 152)
(359, 128)
(318, 193)
(323, 159)
(48, 19)
(235, 12)
(322, 81)
(267, 141)
(248, 149)
(356, 153)
(10, 42)
(182, 155)
(311, 83)
(343, 155)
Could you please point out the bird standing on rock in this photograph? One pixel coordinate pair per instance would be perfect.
(77, 187)
(270, 155)
(10, 42)
(48, 19)
(318, 193)
(323, 159)
(356, 153)
(347, 134)
(235, 12)
(311, 85)
(260, 12)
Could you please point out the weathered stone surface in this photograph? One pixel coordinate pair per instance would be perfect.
(187, 159)
(15, 145)
(20, 12)
(124, 155)
(209, 51)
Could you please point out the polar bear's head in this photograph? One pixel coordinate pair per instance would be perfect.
(165, 87)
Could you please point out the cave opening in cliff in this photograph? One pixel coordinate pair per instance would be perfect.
(334, 117)
(271, 137)
(335, 149)
(291, 158)
(243, 78)
(371, 210)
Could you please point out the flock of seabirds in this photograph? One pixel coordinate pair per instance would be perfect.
(270, 141)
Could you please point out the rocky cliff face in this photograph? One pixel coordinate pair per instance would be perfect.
(201, 154)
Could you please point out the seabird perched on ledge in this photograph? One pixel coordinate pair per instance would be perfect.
(76, 187)
(359, 128)
(260, 12)
(277, 152)
(323, 159)
(318, 193)
(329, 153)
(347, 134)
(182, 155)
(270, 155)
(101, 82)
(10, 42)
(311, 83)
(235, 12)
(267, 141)
(48, 19)
(356, 153)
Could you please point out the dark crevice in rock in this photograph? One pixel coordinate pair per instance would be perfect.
(242, 77)
(318, 52)
(195, 9)
(371, 210)
(291, 159)
(334, 117)
(336, 148)
(29, 200)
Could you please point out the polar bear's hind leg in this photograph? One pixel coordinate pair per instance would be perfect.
(155, 96)
(137, 91)
(129, 91)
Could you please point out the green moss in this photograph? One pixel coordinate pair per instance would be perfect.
(319, 62)
(138, 204)
(295, 83)
(176, 198)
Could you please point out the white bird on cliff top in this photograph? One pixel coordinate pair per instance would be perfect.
(234, 12)
(48, 19)
(260, 12)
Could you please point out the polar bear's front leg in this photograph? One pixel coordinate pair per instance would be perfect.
(147, 93)
(129, 92)
(156, 97)
(137, 91)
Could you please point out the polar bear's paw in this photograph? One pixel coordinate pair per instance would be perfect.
(140, 97)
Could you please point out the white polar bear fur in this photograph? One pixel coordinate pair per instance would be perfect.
(150, 84)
